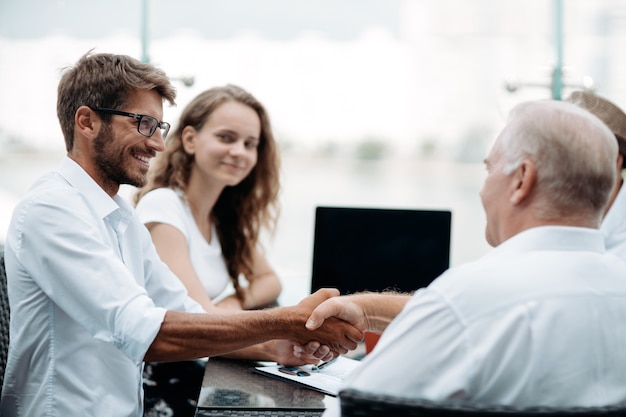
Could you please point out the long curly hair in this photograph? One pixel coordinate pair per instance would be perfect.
(241, 211)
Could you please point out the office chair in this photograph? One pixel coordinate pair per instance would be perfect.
(355, 403)
(4, 320)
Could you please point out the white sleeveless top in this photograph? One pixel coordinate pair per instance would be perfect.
(165, 205)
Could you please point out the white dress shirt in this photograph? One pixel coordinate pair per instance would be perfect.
(88, 294)
(540, 320)
(164, 205)
(614, 225)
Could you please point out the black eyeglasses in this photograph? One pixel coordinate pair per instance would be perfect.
(147, 125)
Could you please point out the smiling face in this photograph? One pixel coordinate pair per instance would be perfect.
(121, 154)
(226, 148)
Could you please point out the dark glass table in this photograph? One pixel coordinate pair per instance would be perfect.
(231, 388)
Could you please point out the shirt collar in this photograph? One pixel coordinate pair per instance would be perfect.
(101, 202)
(561, 238)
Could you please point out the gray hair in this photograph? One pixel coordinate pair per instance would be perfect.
(573, 152)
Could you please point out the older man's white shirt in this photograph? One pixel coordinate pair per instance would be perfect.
(540, 320)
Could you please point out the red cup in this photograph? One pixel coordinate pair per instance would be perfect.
(370, 341)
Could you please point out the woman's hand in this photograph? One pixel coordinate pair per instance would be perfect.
(286, 353)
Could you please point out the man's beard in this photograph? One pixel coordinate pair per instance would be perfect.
(110, 161)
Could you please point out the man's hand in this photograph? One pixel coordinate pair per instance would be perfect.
(344, 308)
(338, 335)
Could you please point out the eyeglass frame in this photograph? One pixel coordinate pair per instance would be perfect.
(164, 126)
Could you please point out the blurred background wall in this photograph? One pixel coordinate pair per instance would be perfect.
(374, 102)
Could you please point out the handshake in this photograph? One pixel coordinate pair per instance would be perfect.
(327, 325)
(322, 326)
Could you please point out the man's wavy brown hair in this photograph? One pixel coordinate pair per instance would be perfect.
(105, 80)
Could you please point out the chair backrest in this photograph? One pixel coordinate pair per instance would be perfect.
(4, 319)
(355, 403)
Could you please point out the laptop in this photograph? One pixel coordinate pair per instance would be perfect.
(376, 249)
(355, 249)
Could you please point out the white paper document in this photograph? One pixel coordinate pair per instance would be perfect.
(327, 377)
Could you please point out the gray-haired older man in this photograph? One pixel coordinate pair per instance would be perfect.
(541, 319)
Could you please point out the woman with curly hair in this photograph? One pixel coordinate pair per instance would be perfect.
(207, 198)
(210, 193)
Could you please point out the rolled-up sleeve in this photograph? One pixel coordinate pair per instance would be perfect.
(69, 255)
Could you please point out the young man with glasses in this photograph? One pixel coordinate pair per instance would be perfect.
(90, 299)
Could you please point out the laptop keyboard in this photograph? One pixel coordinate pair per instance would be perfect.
(258, 413)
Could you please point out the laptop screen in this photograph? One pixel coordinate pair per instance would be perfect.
(358, 249)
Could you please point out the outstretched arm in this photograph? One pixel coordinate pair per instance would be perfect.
(284, 352)
(186, 336)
